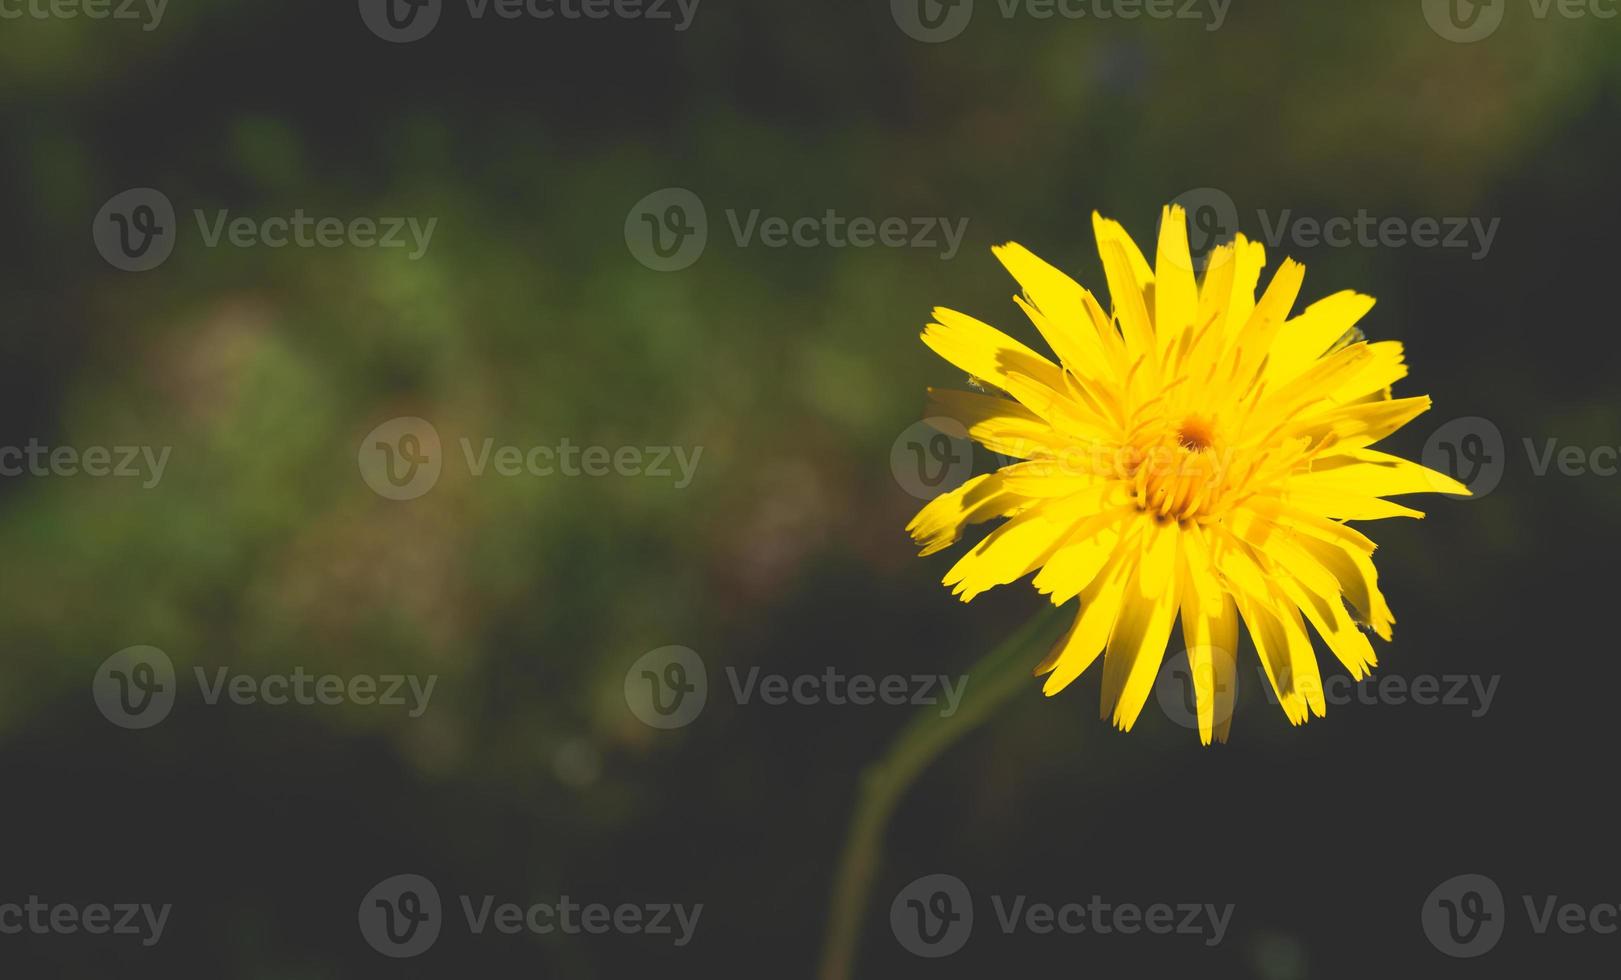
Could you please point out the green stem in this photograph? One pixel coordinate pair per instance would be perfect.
(991, 682)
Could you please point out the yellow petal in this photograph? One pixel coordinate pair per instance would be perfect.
(941, 521)
(1137, 647)
(1176, 295)
(1018, 547)
(1059, 307)
(1249, 258)
(1355, 426)
(1100, 607)
(986, 352)
(1210, 634)
(1374, 474)
(1306, 337)
(1082, 557)
(999, 424)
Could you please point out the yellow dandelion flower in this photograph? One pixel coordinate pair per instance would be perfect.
(1196, 453)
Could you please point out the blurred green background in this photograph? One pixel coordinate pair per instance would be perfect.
(796, 369)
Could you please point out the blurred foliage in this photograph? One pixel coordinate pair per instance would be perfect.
(795, 370)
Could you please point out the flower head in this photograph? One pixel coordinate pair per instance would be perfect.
(1193, 454)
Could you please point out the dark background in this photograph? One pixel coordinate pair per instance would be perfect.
(529, 320)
